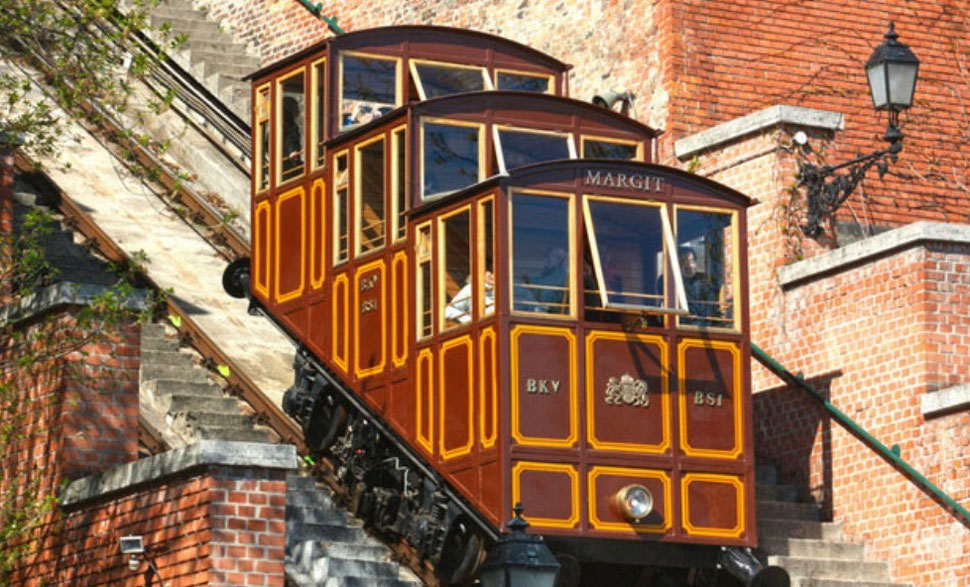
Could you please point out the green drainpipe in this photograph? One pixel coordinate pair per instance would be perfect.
(316, 9)
(890, 455)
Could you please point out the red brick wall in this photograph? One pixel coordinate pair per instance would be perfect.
(874, 337)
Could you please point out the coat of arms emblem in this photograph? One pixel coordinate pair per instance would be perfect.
(627, 390)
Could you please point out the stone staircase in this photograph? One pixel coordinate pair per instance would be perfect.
(326, 546)
(815, 553)
(209, 54)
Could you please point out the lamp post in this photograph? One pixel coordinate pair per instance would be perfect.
(519, 559)
(891, 71)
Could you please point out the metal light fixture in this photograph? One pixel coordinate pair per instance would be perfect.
(633, 502)
(891, 70)
(519, 559)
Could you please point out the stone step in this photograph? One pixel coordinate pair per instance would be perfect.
(208, 420)
(193, 27)
(220, 43)
(201, 403)
(365, 552)
(842, 570)
(776, 492)
(233, 434)
(157, 343)
(792, 510)
(300, 531)
(309, 499)
(190, 375)
(334, 568)
(296, 482)
(369, 582)
(237, 97)
(206, 69)
(179, 12)
(223, 57)
(179, 387)
(166, 357)
(808, 548)
(769, 528)
(315, 515)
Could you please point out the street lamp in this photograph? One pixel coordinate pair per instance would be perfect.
(519, 559)
(891, 71)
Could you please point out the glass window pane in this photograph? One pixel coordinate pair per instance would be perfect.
(400, 181)
(487, 262)
(451, 157)
(598, 149)
(523, 148)
(369, 89)
(522, 82)
(540, 254)
(293, 119)
(340, 211)
(262, 138)
(629, 245)
(704, 247)
(456, 282)
(422, 253)
(442, 80)
(320, 112)
(370, 192)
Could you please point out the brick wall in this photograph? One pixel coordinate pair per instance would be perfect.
(874, 335)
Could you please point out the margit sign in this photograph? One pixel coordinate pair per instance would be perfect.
(632, 181)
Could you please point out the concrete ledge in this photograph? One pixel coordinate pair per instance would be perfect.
(202, 454)
(755, 122)
(873, 246)
(939, 402)
(64, 293)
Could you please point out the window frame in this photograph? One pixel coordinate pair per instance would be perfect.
(636, 143)
(318, 158)
(336, 186)
(419, 84)
(359, 200)
(442, 250)
(399, 205)
(263, 111)
(278, 132)
(423, 257)
(398, 83)
(548, 76)
(421, 151)
(570, 254)
(481, 245)
(497, 141)
(735, 265)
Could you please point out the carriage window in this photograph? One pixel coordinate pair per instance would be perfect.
(369, 89)
(319, 111)
(262, 138)
(291, 154)
(439, 79)
(455, 278)
(520, 147)
(706, 247)
(625, 256)
(541, 251)
(606, 149)
(422, 255)
(370, 195)
(399, 178)
(452, 157)
(486, 259)
(340, 187)
(523, 82)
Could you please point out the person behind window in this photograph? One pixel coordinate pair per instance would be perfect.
(701, 293)
(459, 309)
(292, 136)
(547, 287)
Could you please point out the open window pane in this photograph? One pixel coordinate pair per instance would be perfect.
(523, 82)
(603, 149)
(340, 211)
(293, 118)
(422, 254)
(486, 260)
(456, 282)
(540, 254)
(442, 80)
(370, 194)
(523, 148)
(262, 138)
(626, 251)
(705, 242)
(452, 157)
(369, 89)
(400, 180)
(319, 111)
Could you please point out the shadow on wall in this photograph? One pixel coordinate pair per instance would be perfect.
(794, 433)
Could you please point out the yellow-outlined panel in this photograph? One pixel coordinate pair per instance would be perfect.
(664, 444)
(358, 371)
(693, 530)
(598, 524)
(290, 295)
(317, 194)
(340, 286)
(488, 437)
(399, 356)
(682, 401)
(569, 470)
(460, 451)
(421, 387)
(261, 227)
(514, 391)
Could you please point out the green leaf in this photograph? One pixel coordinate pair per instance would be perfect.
(175, 320)
(223, 370)
(309, 460)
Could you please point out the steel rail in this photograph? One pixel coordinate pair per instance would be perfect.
(890, 455)
(239, 383)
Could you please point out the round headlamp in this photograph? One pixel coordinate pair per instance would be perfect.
(633, 502)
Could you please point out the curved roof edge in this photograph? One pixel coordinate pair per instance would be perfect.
(406, 30)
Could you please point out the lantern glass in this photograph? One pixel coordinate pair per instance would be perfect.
(532, 576)
(877, 84)
(902, 83)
